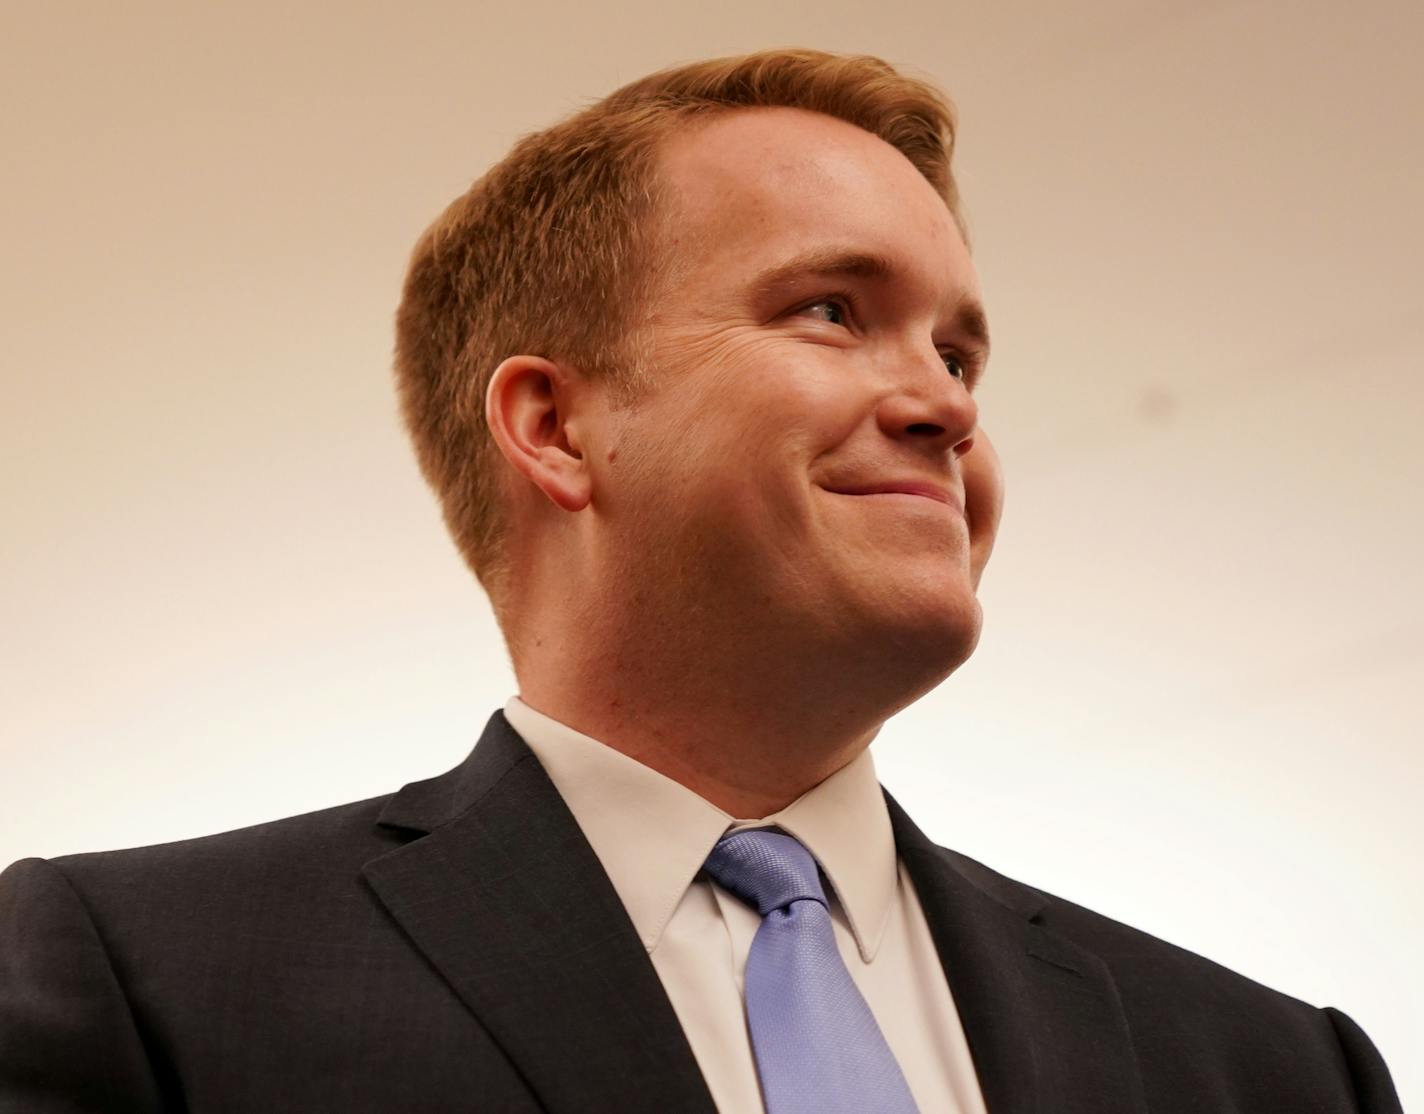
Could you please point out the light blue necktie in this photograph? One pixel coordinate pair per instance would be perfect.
(818, 1048)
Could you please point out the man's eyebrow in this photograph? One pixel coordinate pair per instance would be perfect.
(821, 261)
(970, 318)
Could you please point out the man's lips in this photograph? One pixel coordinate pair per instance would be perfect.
(923, 488)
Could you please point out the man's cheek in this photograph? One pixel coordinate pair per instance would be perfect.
(983, 501)
(983, 482)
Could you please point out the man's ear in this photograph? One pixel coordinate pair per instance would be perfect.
(529, 408)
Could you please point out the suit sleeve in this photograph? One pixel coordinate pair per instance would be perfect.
(68, 1042)
(1373, 1087)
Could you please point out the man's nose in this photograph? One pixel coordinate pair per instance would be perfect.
(930, 405)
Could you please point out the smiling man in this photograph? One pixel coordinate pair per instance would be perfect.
(693, 376)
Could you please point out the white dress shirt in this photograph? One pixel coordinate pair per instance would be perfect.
(653, 834)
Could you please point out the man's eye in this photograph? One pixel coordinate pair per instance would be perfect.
(828, 309)
(835, 311)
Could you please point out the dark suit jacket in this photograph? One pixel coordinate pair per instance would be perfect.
(457, 947)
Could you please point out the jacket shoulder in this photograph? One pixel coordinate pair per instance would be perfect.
(167, 894)
(326, 835)
(1197, 1023)
(1153, 975)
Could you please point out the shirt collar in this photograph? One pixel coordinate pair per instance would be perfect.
(652, 834)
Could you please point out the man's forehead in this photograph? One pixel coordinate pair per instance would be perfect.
(774, 164)
(761, 198)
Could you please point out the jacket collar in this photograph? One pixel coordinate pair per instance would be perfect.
(503, 894)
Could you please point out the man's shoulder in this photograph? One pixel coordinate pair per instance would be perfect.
(1197, 1026)
(1143, 965)
(333, 828)
(308, 857)
(244, 885)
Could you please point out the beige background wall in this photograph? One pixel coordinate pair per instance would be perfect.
(227, 596)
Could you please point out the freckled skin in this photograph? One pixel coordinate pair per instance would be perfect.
(713, 610)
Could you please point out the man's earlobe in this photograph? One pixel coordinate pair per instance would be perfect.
(529, 405)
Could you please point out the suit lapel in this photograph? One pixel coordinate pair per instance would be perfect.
(501, 892)
(1042, 1016)
(505, 897)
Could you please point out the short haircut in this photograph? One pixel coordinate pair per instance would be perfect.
(554, 253)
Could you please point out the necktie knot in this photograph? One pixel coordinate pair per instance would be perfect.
(766, 869)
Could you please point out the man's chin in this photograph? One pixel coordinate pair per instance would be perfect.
(932, 635)
(951, 635)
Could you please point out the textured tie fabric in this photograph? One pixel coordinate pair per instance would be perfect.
(818, 1048)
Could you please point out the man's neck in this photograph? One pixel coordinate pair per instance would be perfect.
(750, 757)
(749, 730)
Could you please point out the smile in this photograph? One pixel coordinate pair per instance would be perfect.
(903, 491)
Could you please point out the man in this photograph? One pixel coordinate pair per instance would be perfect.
(693, 375)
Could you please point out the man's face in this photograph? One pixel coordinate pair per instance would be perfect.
(812, 343)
